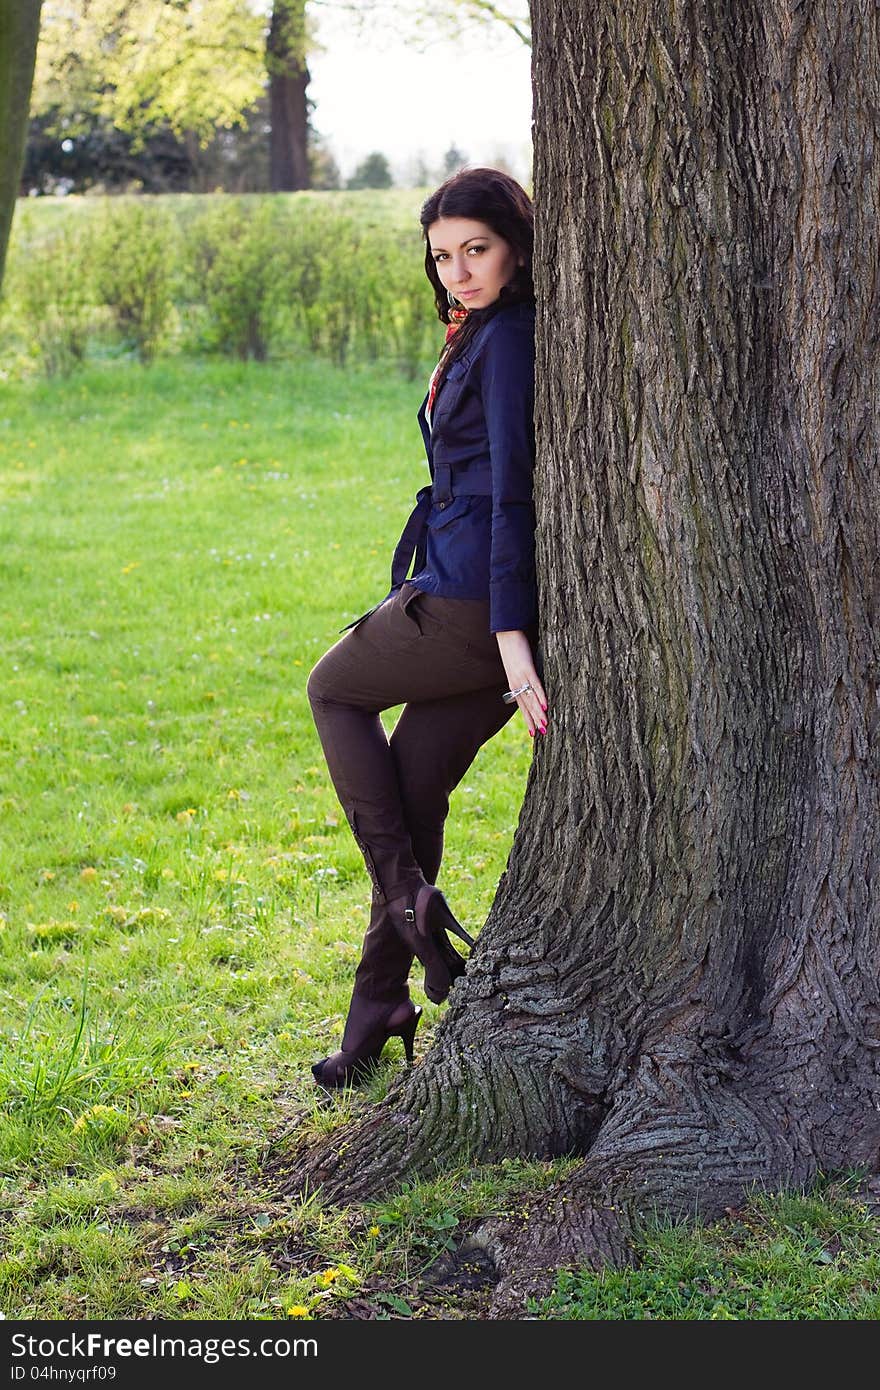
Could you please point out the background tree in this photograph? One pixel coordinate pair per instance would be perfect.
(19, 25)
(372, 172)
(137, 63)
(453, 160)
(102, 157)
(119, 76)
(151, 71)
(416, 173)
(425, 19)
(323, 169)
(286, 45)
(679, 976)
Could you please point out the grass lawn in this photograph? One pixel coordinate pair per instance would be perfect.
(181, 902)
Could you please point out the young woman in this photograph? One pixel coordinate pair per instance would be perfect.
(455, 643)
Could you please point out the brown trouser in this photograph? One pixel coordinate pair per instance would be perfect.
(437, 657)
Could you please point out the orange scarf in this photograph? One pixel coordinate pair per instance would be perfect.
(456, 318)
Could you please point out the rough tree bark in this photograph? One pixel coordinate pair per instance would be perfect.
(288, 103)
(678, 979)
(19, 27)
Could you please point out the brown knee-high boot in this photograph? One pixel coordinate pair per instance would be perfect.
(379, 1008)
(385, 961)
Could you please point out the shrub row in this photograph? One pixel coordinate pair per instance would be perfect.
(248, 277)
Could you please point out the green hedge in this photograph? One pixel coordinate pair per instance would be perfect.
(339, 276)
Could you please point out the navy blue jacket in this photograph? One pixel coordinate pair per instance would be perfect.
(472, 531)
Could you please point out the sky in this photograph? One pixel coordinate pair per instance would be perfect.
(374, 92)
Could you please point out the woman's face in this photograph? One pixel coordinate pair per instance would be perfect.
(472, 260)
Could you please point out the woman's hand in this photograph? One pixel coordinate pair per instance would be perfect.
(516, 655)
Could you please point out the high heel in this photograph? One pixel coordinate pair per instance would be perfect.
(422, 922)
(349, 1067)
(407, 1033)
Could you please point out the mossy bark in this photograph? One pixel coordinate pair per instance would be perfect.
(679, 976)
(19, 27)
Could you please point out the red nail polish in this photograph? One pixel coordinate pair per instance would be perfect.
(544, 707)
(531, 733)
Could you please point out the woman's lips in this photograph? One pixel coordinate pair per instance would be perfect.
(467, 294)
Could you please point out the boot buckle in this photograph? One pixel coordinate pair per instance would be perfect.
(409, 914)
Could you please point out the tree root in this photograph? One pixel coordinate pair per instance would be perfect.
(460, 1109)
(562, 1233)
(695, 1161)
(678, 1141)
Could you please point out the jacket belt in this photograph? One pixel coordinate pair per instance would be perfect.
(413, 539)
(470, 482)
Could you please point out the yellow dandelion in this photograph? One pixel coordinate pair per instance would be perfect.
(185, 1094)
(327, 1276)
(373, 1231)
(298, 1310)
(88, 874)
(191, 1066)
(135, 565)
(224, 876)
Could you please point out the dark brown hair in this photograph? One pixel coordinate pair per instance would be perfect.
(484, 195)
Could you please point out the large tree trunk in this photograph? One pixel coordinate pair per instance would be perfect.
(679, 975)
(19, 27)
(288, 105)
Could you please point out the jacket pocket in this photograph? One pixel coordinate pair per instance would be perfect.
(450, 390)
(443, 512)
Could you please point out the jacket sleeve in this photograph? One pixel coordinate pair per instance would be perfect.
(508, 393)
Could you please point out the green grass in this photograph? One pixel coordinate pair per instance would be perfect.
(181, 903)
(813, 1257)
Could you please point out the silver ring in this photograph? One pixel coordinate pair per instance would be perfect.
(510, 695)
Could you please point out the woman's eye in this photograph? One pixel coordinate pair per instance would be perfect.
(444, 256)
